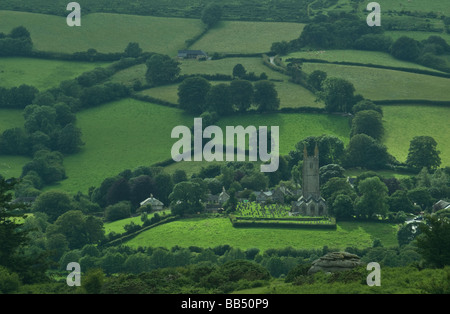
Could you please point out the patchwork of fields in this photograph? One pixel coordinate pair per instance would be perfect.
(129, 133)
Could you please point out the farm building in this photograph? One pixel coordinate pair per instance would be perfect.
(156, 204)
(441, 205)
(192, 54)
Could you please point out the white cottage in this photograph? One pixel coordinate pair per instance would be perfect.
(156, 204)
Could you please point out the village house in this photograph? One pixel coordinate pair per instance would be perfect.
(192, 54)
(156, 204)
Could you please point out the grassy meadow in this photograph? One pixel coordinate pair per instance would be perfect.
(104, 32)
(437, 6)
(382, 84)
(402, 123)
(246, 37)
(11, 166)
(294, 127)
(120, 135)
(211, 232)
(118, 225)
(41, 73)
(291, 95)
(11, 118)
(358, 56)
(225, 66)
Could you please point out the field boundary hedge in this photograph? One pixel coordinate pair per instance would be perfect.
(370, 65)
(127, 237)
(387, 102)
(261, 222)
(284, 225)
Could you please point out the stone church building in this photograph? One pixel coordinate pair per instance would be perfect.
(310, 203)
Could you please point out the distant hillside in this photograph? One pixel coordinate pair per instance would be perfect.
(251, 10)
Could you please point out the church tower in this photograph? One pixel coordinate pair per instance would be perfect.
(310, 203)
(310, 174)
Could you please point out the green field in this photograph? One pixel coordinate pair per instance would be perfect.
(246, 37)
(382, 84)
(40, 73)
(104, 32)
(404, 122)
(225, 66)
(291, 95)
(11, 166)
(120, 135)
(294, 127)
(438, 6)
(212, 232)
(118, 225)
(357, 56)
(11, 118)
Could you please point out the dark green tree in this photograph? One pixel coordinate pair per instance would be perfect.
(266, 96)
(192, 94)
(316, 78)
(364, 151)
(373, 200)
(53, 204)
(186, 198)
(423, 153)
(161, 69)
(133, 50)
(218, 99)
(239, 71)
(366, 105)
(79, 229)
(12, 236)
(406, 48)
(343, 207)
(434, 241)
(367, 122)
(241, 94)
(211, 14)
(69, 139)
(338, 94)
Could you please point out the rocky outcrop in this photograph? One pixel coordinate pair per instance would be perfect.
(335, 261)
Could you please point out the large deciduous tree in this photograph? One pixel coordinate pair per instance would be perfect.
(211, 14)
(192, 94)
(367, 122)
(423, 153)
(373, 200)
(434, 241)
(161, 69)
(266, 96)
